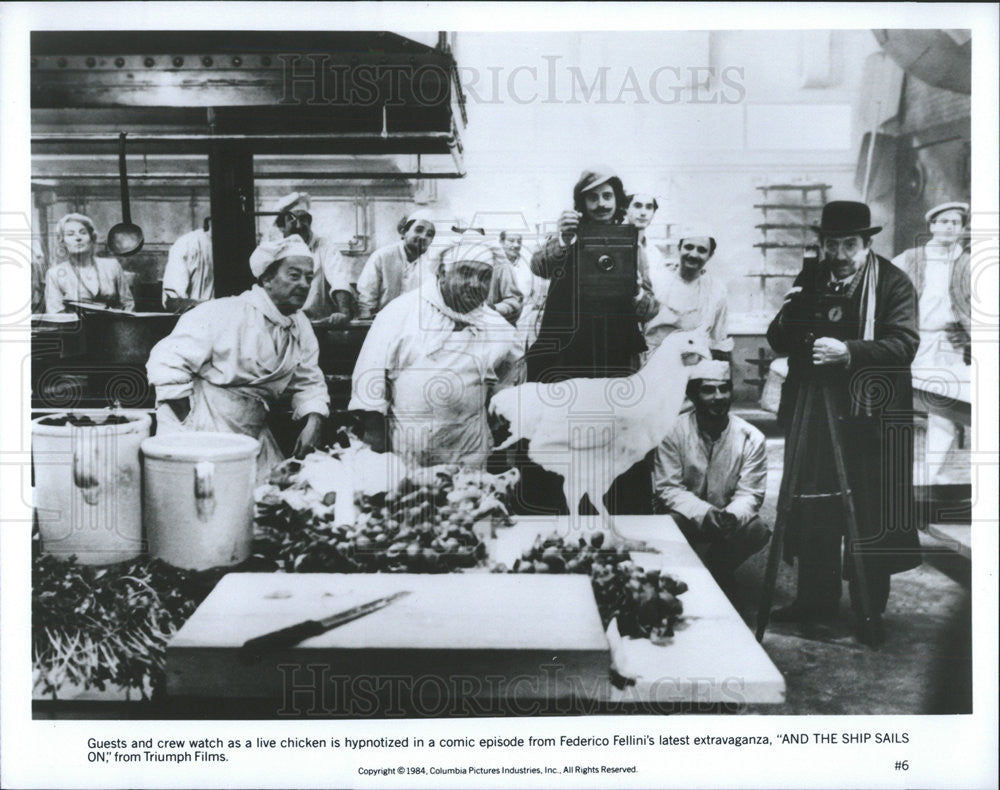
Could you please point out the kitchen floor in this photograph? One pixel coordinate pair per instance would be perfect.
(923, 667)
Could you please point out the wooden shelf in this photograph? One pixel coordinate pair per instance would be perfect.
(795, 187)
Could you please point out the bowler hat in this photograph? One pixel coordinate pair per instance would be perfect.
(846, 218)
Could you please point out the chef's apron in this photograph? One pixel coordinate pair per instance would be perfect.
(226, 410)
(438, 412)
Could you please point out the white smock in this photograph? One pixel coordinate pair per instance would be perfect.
(235, 357)
(389, 273)
(331, 273)
(189, 273)
(692, 473)
(700, 304)
(937, 359)
(430, 370)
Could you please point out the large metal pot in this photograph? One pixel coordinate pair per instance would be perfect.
(115, 336)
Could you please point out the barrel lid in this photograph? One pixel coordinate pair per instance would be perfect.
(200, 446)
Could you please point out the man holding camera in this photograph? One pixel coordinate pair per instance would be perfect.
(587, 329)
(576, 342)
(849, 324)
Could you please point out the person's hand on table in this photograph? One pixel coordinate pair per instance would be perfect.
(309, 436)
(335, 320)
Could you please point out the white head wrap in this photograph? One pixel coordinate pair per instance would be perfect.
(475, 249)
(711, 369)
(270, 251)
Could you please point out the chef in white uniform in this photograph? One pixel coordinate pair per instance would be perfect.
(331, 299)
(189, 277)
(228, 360)
(940, 271)
(691, 298)
(398, 268)
(428, 365)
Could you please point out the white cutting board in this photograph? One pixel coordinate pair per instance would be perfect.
(541, 635)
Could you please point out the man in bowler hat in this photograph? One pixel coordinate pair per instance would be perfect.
(864, 313)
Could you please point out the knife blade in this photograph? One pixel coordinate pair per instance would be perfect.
(293, 634)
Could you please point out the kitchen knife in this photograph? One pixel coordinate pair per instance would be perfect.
(293, 634)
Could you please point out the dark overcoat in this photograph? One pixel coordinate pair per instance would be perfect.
(873, 404)
(574, 343)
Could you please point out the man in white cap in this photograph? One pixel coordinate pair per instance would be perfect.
(691, 298)
(228, 360)
(940, 271)
(189, 277)
(710, 474)
(431, 360)
(399, 267)
(331, 297)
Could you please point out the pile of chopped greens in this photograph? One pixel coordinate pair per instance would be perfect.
(98, 626)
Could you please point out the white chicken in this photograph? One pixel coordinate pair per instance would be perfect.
(592, 430)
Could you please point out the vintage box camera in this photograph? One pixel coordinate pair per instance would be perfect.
(811, 316)
(607, 262)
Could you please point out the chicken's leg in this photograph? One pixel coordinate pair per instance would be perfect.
(608, 521)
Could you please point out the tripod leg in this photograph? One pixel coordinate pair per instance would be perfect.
(786, 493)
(847, 497)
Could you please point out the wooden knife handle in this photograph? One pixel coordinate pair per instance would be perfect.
(285, 637)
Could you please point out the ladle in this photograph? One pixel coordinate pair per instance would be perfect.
(125, 238)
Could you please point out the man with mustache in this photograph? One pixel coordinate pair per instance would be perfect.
(710, 474)
(430, 362)
(331, 298)
(691, 298)
(574, 341)
(871, 307)
(228, 360)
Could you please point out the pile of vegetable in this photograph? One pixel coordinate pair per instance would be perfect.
(352, 510)
(93, 626)
(644, 603)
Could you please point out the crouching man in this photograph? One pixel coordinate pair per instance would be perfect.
(710, 474)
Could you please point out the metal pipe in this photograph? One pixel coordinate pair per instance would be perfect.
(44, 137)
(289, 175)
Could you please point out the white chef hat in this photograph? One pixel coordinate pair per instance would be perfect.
(413, 216)
(951, 205)
(473, 248)
(292, 200)
(711, 369)
(270, 251)
(694, 231)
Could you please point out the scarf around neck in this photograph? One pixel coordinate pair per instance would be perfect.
(868, 281)
(477, 320)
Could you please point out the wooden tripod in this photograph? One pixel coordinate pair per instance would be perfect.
(815, 389)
